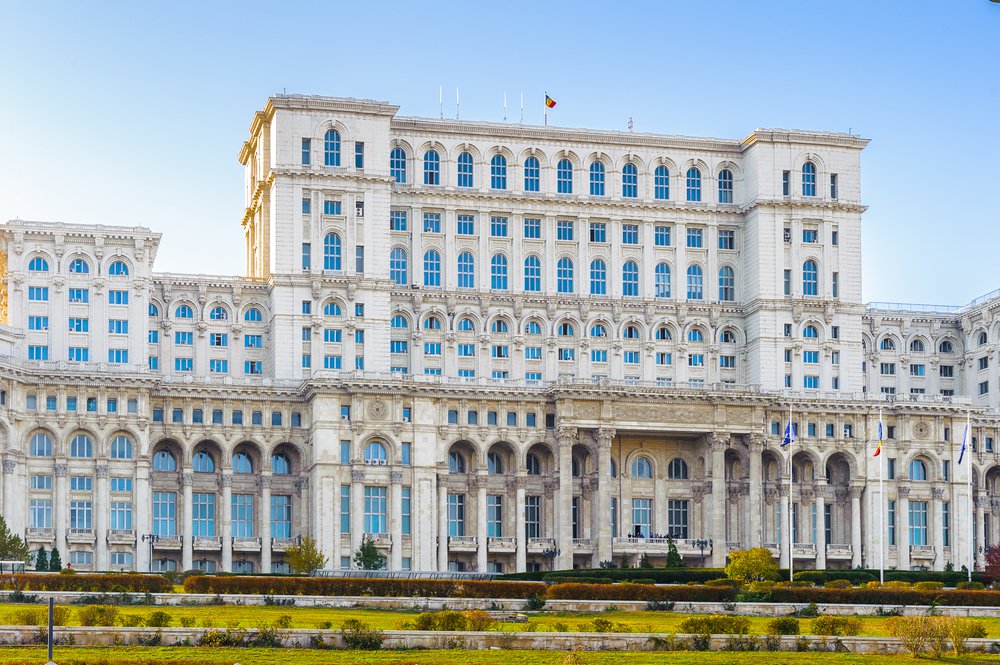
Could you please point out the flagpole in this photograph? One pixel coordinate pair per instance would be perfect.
(972, 505)
(881, 512)
(545, 110)
(791, 505)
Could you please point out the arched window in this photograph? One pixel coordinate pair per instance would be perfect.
(432, 268)
(693, 184)
(464, 170)
(41, 445)
(810, 332)
(375, 453)
(564, 177)
(118, 269)
(630, 279)
(466, 271)
(642, 468)
(564, 275)
(121, 447)
(79, 266)
(566, 329)
(597, 179)
(399, 321)
(630, 332)
(598, 277)
(218, 313)
(533, 465)
(331, 252)
(331, 148)
(661, 183)
(808, 179)
(598, 330)
(946, 347)
(662, 277)
(397, 165)
(810, 278)
(695, 335)
(532, 328)
(242, 463)
(203, 462)
(663, 334)
(397, 266)
(183, 312)
(982, 339)
(498, 272)
(432, 168)
(918, 470)
(332, 308)
(153, 310)
(725, 186)
(456, 462)
(677, 469)
(500, 327)
(252, 315)
(532, 175)
(630, 181)
(494, 464)
(164, 460)
(916, 346)
(465, 324)
(727, 337)
(432, 323)
(81, 446)
(695, 282)
(887, 344)
(532, 274)
(498, 172)
(727, 284)
(38, 264)
(280, 465)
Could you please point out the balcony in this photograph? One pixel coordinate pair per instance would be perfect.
(246, 544)
(463, 543)
(168, 543)
(208, 543)
(40, 535)
(539, 545)
(685, 546)
(81, 536)
(839, 551)
(501, 544)
(121, 537)
(282, 544)
(381, 540)
(804, 550)
(921, 551)
(774, 548)
(582, 545)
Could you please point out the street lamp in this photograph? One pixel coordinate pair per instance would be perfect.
(551, 553)
(150, 538)
(701, 544)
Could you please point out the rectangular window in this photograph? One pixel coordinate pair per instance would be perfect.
(397, 220)
(456, 515)
(376, 501)
(359, 259)
(81, 484)
(38, 293)
(946, 371)
(40, 514)
(810, 382)
(117, 297)
(984, 363)
(253, 341)
(79, 354)
(642, 518)
(242, 516)
(727, 239)
(38, 352)
(153, 337)
(79, 295)
(696, 360)
(466, 225)
(809, 357)
(664, 358)
(359, 155)
(121, 485)
(788, 282)
(83, 325)
(306, 205)
(661, 236)
(466, 350)
(81, 515)
(694, 238)
(331, 207)
(118, 326)
(532, 227)
(183, 338)
(532, 353)
(498, 227)
(810, 235)
(630, 234)
(204, 515)
(598, 355)
(946, 524)
(432, 348)
(183, 364)
(306, 152)
(786, 179)
(121, 515)
(345, 508)
(918, 522)
(218, 339)
(677, 518)
(406, 456)
(501, 351)
(281, 516)
(397, 346)
(405, 511)
(566, 354)
(917, 370)
(494, 516)
(630, 357)
(727, 362)
(218, 366)
(41, 482)
(38, 323)
(890, 470)
(306, 256)
(835, 285)
(833, 185)
(598, 232)
(332, 335)
(532, 517)
(888, 369)
(532, 377)
(984, 387)
(564, 230)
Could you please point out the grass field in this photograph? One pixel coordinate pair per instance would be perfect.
(231, 616)
(201, 656)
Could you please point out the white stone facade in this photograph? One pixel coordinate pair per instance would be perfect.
(429, 351)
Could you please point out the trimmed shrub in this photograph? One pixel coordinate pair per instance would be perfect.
(764, 585)
(158, 619)
(38, 617)
(836, 626)
(326, 586)
(724, 581)
(783, 626)
(716, 624)
(112, 583)
(98, 615)
(838, 584)
(659, 575)
(640, 592)
(928, 586)
(970, 586)
(886, 596)
(358, 635)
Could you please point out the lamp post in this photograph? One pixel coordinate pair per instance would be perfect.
(150, 538)
(551, 553)
(701, 544)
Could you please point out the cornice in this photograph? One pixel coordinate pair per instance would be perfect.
(817, 203)
(124, 234)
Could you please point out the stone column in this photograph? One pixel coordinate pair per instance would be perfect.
(264, 482)
(718, 442)
(820, 531)
(396, 520)
(902, 528)
(442, 523)
(357, 510)
(187, 556)
(602, 506)
(479, 483)
(935, 529)
(564, 512)
(756, 444)
(521, 555)
(226, 482)
(60, 508)
(856, 491)
(101, 514)
(142, 513)
(980, 545)
(14, 516)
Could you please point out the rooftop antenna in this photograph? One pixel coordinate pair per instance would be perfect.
(441, 102)
(458, 105)
(505, 106)
(522, 108)
(630, 123)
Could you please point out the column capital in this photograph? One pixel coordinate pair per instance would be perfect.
(102, 471)
(756, 442)
(937, 493)
(62, 469)
(187, 478)
(718, 440)
(604, 436)
(979, 500)
(396, 477)
(478, 482)
(357, 475)
(9, 466)
(515, 483)
(857, 491)
(302, 483)
(902, 492)
(226, 480)
(550, 483)
(566, 434)
(264, 481)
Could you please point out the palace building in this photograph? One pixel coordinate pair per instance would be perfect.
(496, 347)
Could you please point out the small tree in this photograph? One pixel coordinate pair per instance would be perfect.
(674, 559)
(41, 559)
(368, 557)
(12, 547)
(55, 561)
(992, 568)
(305, 557)
(754, 565)
(644, 561)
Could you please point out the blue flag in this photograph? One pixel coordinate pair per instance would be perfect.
(965, 444)
(789, 433)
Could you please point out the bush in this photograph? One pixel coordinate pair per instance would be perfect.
(534, 604)
(283, 622)
(928, 586)
(783, 626)
(724, 581)
(328, 586)
(971, 586)
(479, 620)
(912, 632)
(38, 617)
(660, 575)
(960, 630)
(887, 596)
(158, 619)
(358, 635)
(838, 584)
(98, 615)
(111, 583)
(836, 626)
(716, 624)
(751, 565)
(131, 620)
(187, 622)
(643, 592)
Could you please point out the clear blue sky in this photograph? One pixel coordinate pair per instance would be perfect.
(126, 113)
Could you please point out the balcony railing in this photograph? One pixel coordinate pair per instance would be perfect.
(922, 551)
(207, 543)
(41, 534)
(81, 536)
(501, 544)
(463, 543)
(246, 544)
(582, 543)
(536, 545)
(121, 536)
(282, 544)
(168, 543)
(839, 551)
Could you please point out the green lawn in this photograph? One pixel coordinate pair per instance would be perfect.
(200, 656)
(226, 616)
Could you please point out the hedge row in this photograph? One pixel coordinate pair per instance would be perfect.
(348, 586)
(113, 583)
(640, 592)
(857, 577)
(883, 596)
(659, 575)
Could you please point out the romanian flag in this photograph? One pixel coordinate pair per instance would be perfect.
(878, 448)
(549, 102)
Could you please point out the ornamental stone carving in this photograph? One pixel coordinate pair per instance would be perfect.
(550, 483)
(102, 471)
(377, 410)
(566, 435)
(921, 430)
(937, 493)
(226, 480)
(9, 466)
(718, 440)
(396, 477)
(604, 437)
(358, 475)
(857, 491)
(62, 469)
(264, 481)
(514, 483)
(187, 478)
(902, 492)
